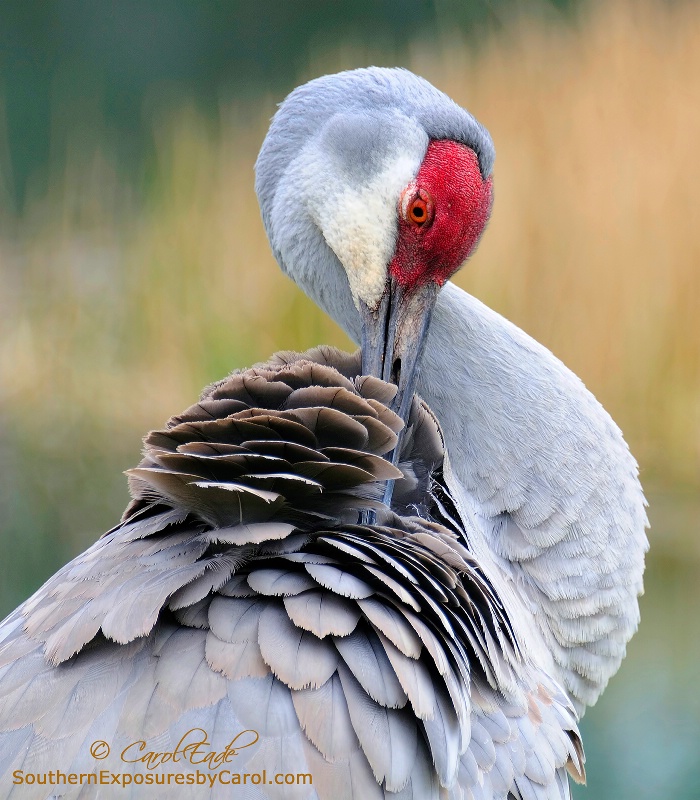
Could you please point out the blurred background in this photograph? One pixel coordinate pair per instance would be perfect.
(134, 267)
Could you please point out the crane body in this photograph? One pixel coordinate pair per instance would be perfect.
(327, 586)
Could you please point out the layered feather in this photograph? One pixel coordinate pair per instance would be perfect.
(240, 593)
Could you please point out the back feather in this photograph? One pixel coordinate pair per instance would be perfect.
(240, 595)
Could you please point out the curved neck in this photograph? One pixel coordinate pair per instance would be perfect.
(547, 479)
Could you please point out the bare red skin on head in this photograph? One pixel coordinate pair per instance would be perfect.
(462, 200)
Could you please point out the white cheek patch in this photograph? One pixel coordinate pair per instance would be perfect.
(359, 221)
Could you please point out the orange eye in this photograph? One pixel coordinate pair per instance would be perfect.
(418, 207)
(418, 211)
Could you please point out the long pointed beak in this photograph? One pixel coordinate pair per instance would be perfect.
(393, 338)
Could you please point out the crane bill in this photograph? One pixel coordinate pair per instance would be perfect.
(393, 337)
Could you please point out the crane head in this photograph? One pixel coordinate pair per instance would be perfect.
(374, 188)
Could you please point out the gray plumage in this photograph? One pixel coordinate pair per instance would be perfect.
(441, 647)
(363, 647)
(540, 469)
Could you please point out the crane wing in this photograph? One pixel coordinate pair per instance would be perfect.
(238, 600)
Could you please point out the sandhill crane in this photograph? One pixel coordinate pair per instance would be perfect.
(321, 574)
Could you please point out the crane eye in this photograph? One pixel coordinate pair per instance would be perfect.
(418, 211)
(418, 207)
